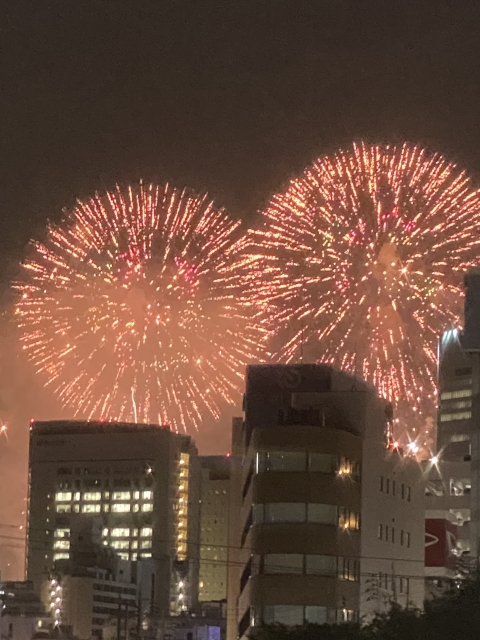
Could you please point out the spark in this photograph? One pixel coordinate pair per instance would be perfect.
(129, 310)
(359, 264)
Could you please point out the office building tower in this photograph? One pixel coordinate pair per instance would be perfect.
(215, 484)
(136, 482)
(330, 524)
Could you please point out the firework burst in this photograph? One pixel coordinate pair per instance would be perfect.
(129, 310)
(359, 263)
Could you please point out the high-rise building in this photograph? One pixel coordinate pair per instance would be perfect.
(137, 482)
(215, 485)
(330, 523)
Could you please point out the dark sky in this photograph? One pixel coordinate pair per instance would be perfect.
(231, 96)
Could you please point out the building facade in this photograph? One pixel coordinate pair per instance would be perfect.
(326, 524)
(449, 487)
(136, 482)
(215, 494)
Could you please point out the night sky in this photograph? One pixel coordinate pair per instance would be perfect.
(233, 97)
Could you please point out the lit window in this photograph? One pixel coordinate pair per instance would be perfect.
(105, 532)
(136, 495)
(147, 495)
(134, 544)
(120, 544)
(123, 556)
(63, 508)
(91, 508)
(61, 544)
(63, 496)
(61, 555)
(146, 555)
(460, 437)
(121, 495)
(147, 506)
(450, 395)
(146, 531)
(146, 544)
(92, 496)
(120, 532)
(120, 508)
(76, 495)
(348, 519)
(462, 415)
(62, 533)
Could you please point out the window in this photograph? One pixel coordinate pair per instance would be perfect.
(348, 519)
(283, 614)
(322, 463)
(120, 532)
(407, 538)
(450, 395)
(409, 493)
(321, 565)
(283, 563)
(323, 513)
(402, 536)
(120, 544)
(381, 483)
(387, 486)
(146, 506)
(393, 534)
(461, 415)
(63, 508)
(63, 496)
(62, 533)
(121, 495)
(91, 508)
(286, 461)
(316, 615)
(146, 531)
(380, 532)
(61, 544)
(348, 569)
(348, 468)
(459, 437)
(92, 496)
(285, 512)
(61, 555)
(120, 508)
(147, 495)
(146, 544)
(387, 532)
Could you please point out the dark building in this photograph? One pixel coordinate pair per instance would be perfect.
(326, 524)
(139, 484)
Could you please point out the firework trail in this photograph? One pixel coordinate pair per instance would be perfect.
(129, 309)
(360, 261)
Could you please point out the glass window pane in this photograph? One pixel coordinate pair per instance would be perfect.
(316, 615)
(286, 461)
(322, 513)
(283, 563)
(257, 513)
(283, 614)
(321, 565)
(322, 462)
(285, 512)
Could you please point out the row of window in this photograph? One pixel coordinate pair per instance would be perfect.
(387, 533)
(285, 512)
(390, 582)
(295, 615)
(118, 507)
(460, 415)
(302, 461)
(123, 555)
(96, 496)
(452, 395)
(340, 567)
(389, 486)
